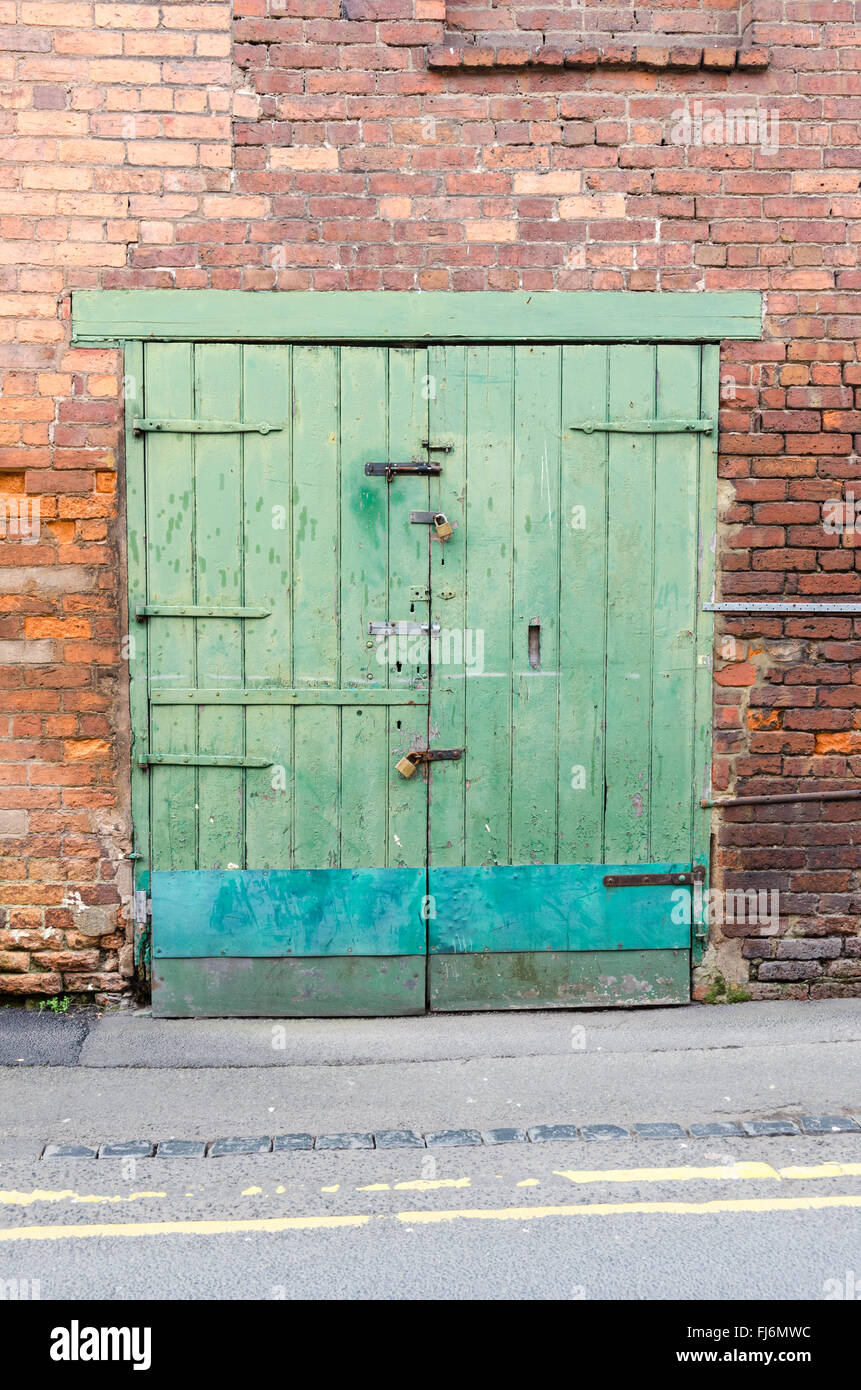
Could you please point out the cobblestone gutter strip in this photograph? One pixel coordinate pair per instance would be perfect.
(451, 1138)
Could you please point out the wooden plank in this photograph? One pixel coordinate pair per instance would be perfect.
(170, 521)
(555, 316)
(289, 912)
(328, 987)
(630, 558)
(316, 777)
(447, 367)
(550, 980)
(488, 550)
(534, 733)
(553, 907)
(582, 635)
(674, 603)
(266, 567)
(408, 390)
(363, 597)
(218, 501)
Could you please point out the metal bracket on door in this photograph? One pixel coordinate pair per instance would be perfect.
(692, 876)
(191, 610)
(644, 426)
(200, 760)
(144, 425)
(415, 468)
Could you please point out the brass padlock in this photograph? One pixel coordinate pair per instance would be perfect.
(407, 766)
(442, 525)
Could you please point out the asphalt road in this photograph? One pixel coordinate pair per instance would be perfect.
(134, 1078)
(755, 1219)
(729, 1218)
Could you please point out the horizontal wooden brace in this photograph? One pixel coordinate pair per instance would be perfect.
(358, 695)
(143, 425)
(644, 426)
(192, 610)
(200, 760)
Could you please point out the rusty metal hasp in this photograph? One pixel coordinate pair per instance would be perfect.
(407, 765)
(695, 875)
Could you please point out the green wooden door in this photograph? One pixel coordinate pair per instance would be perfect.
(293, 870)
(568, 599)
(288, 858)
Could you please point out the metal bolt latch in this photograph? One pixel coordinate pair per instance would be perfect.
(407, 765)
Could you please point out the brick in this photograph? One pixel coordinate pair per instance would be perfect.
(313, 157)
(490, 230)
(548, 185)
(592, 207)
(789, 970)
(815, 949)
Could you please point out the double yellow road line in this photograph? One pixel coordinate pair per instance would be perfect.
(740, 1172)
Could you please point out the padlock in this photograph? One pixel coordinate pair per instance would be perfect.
(442, 525)
(407, 766)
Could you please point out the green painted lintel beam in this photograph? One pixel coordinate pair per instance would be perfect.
(382, 316)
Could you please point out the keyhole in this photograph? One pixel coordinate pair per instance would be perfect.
(535, 644)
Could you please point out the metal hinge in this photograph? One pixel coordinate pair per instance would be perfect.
(644, 426)
(144, 425)
(418, 468)
(692, 876)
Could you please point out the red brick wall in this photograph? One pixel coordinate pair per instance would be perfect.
(309, 144)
